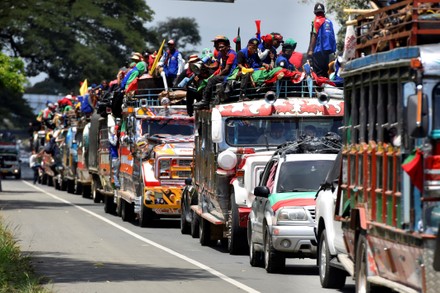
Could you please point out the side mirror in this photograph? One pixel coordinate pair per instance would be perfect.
(216, 126)
(262, 191)
(417, 116)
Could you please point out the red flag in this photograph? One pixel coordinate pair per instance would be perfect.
(133, 86)
(413, 166)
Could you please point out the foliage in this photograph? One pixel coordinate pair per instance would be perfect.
(16, 273)
(74, 40)
(13, 108)
(183, 30)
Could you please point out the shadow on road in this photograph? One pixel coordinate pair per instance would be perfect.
(21, 204)
(57, 269)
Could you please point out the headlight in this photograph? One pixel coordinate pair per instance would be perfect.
(164, 168)
(292, 214)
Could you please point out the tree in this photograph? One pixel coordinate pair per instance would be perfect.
(183, 30)
(14, 110)
(73, 40)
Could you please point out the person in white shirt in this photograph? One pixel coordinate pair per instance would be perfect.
(35, 164)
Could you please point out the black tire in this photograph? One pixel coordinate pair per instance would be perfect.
(127, 212)
(70, 186)
(78, 187)
(195, 233)
(44, 179)
(18, 176)
(273, 260)
(185, 226)
(146, 215)
(205, 233)
(63, 185)
(109, 205)
(237, 243)
(56, 183)
(256, 258)
(362, 284)
(330, 277)
(87, 191)
(96, 195)
(49, 180)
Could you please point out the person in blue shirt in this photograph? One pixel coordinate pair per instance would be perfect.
(283, 59)
(322, 41)
(247, 62)
(172, 62)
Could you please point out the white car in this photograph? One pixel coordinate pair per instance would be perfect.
(282, 219)
(329, 232)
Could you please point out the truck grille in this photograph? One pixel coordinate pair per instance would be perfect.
(312, 212)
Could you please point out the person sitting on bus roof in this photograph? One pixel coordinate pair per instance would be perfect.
(266, 51)
(226, 61)
(283, 60)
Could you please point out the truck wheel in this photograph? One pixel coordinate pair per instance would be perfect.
(63, 185)
(96, 195)
(237, 235)
(44, 179)
(362, 284)
(127, 211)
(273, 261)
(49, 180)
(195, 223)
(205, 233)
(70, 186)
(56, 183)
(86, 191)
(256, 258)
(146, 215)
(109, 205)
(18, 176)
(78, 187)
(330, 277)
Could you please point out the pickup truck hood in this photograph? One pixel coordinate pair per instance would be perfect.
(279, 200)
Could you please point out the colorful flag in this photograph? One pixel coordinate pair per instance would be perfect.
(413, 166)
(83, 89)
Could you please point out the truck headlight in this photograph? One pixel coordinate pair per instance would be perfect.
(292, 214)
(164, 169)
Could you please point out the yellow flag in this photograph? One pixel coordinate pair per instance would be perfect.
(83, 88)
(158, 56)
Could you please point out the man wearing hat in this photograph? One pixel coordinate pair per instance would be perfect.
(171, 62)
(283, 60)
(247, 62)
(322, 41)
(225, 62)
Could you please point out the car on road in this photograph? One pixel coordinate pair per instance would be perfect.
(282, 219)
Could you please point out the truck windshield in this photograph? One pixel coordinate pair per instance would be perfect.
(273, 132)
(296, 176)
(167, 126)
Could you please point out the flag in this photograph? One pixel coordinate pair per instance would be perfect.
(83, 89)
(349, 42)
(158, 56)
(413, 166)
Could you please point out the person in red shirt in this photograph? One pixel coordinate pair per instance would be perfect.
(226, 62)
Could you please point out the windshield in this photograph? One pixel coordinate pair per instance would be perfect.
(302, 175)
(167, 126)
(273, 132)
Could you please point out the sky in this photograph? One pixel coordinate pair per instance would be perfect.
(291, 18)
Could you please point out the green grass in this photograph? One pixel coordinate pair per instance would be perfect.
(16, 272)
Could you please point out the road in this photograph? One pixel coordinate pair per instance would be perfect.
(79, 248)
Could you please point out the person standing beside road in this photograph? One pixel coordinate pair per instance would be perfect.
(322, 41)
(35, 164)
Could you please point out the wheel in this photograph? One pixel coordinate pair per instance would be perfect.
(330, 277)
(146, 215)
(362, 284)
(86, 191)
(195, 223)
(255, 257)
(56, 183)
(70, 186)
(44, 179)
(96, 195)
(185, 226)
(237, 235)
(18, 176)
(50, 180)
(127, 211)
(273, 261)
(109, 205)
(205, 233)
(78, 187)
(63, 185)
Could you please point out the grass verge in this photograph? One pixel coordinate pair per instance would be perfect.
(16, 272)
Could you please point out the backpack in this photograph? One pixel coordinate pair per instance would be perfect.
(325, 40)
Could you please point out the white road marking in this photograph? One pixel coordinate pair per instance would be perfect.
(150, 242)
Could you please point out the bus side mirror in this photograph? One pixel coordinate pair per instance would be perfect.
(216, 126)
(417, 123)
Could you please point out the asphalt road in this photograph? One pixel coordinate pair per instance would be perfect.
(79, 248)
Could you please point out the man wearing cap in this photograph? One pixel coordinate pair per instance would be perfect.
(266, 51)
(322, 41)
(283, 60)
(226, 61)
(171, 62)
(247, 58)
